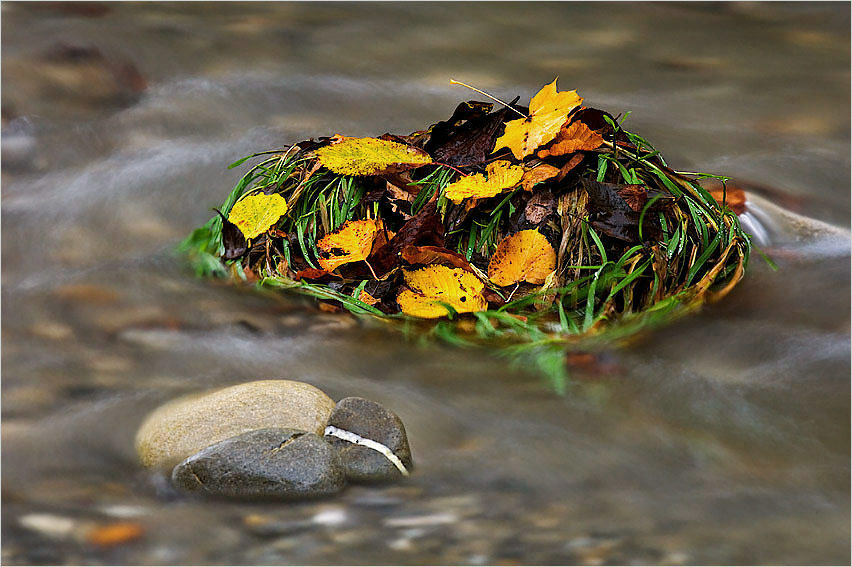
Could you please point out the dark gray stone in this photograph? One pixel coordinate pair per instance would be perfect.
(370, 420)
(264, 463)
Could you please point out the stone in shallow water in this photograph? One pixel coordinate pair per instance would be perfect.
(372, 421)
(265, 463)
(184, 426)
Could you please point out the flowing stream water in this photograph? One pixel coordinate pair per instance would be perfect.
(723, 438)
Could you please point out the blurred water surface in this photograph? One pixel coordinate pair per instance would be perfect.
(721, 439)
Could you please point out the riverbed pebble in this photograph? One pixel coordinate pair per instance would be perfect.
(371, 441)
(185, 426)
(264, 463)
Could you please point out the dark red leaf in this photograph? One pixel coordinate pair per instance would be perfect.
(423, 229)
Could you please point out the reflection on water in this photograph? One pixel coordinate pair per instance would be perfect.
(721, 439)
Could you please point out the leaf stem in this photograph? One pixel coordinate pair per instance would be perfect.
(507, 105)
(457, 170)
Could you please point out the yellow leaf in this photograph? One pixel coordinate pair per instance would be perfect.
(351, 243)
(536, 175)
(370, 156)
(572, 138)
(548, 112)
(523, 256)
(254, 214)
(435, 285)
(502, 175)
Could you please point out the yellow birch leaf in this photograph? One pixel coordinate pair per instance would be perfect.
(351, 243)
(572, 138)
(523, 256)
(470, 186)
(502, 175)
(435, 285)
(255, 214)
(369, 156)
(536, 175)
(548, 112)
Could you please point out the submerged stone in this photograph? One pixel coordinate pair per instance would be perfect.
(265, 463)
(371, 441)
(183, 427)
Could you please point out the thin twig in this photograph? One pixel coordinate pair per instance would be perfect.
(506, 104)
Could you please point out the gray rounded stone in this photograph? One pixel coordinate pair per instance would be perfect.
(184, 426)
(265, 463)
(373, 421)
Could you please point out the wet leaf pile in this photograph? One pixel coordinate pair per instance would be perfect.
(520, 226)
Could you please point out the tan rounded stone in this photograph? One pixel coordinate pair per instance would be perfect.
(184, 426)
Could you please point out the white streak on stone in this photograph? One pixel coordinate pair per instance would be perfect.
(374, 445)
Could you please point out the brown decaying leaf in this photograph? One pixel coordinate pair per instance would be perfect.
(539, 206)
(573, 137)
(435, 255)
(538, 174)
(614, 217)
(523, 256)
(571, 164)
(468, 136)
(398, 193)
(634, 195)
(232, 238)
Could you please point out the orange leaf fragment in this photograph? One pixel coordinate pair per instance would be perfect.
(367, 298)
(733, 197)
(523, 256)
(434, 287)
(502, 175)
(312, 274)
(370, 156)
(574, 137)
(548, 112)
(538, 174)
(435, 255)
(351, 243)
(114, 534)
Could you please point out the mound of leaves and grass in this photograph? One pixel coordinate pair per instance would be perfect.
(526, 229)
